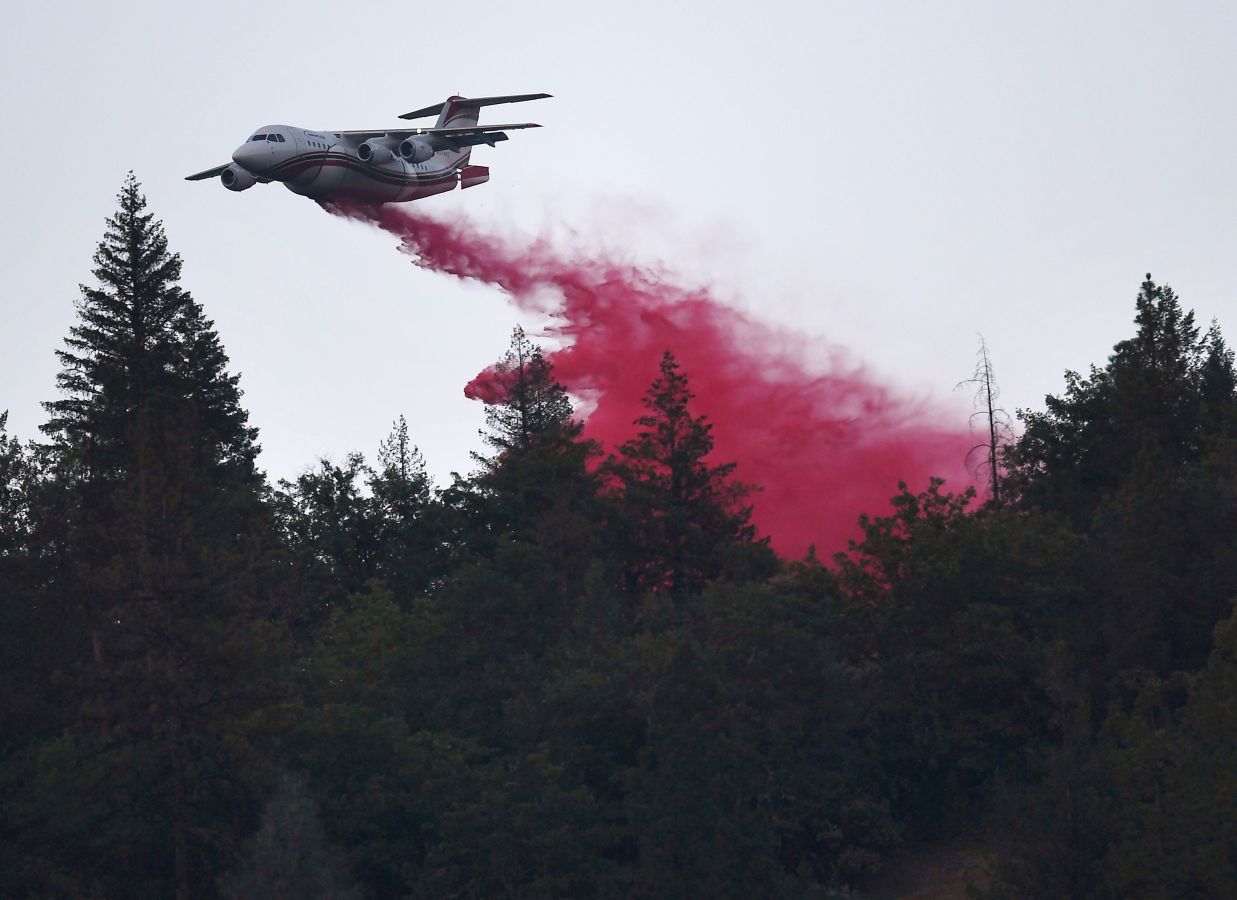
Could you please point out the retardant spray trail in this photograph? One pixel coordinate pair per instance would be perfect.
(823, 440)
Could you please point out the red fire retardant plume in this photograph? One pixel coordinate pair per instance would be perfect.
(823, 441)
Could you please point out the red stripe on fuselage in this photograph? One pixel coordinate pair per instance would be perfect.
(290, 169)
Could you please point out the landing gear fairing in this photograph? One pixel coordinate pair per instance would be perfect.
(378, 166)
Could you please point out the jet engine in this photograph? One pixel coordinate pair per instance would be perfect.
(415, 151)
(374, 152)
(235, 178)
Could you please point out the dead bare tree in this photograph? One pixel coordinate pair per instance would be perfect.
(999, 425)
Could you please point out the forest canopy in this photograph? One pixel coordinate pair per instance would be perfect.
(579, 671)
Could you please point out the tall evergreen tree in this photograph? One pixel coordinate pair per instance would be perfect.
(165, 565)
(411, 532)
(327, 517)
(1218, 387)
(143, 346)
(533, 407)
(1138, 456)
(14, 493)
(289, 858)
(537, 482)
(19, 625)
(683, 518)
(1146, 402)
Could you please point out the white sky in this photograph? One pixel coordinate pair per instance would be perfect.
(892, 176)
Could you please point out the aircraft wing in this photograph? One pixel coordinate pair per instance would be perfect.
(209, 173)
(466, 131)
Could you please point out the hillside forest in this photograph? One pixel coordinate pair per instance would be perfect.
(580, 671)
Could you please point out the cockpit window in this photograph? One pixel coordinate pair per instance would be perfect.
(258, 137)
(272, 138)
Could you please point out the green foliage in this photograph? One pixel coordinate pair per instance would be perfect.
(15, 489)
(959, 612)
(538, 486)
(19, 617)
(289, 857)
(1162, 395)
(326, 515)
(143, 346)
(532, 407)
(352, 523)
(1135, 801)
(1144, 809)
(680, 519)
(157, 554)
(568, 677)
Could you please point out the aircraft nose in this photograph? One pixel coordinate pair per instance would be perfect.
(247, 156)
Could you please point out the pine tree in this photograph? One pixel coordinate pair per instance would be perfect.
(1218, 386)
(19, 625)
(165, 557)
(537, 482)
(328, 518)
(684, 519)
(14, 493)
(142, 346)
(290, 858)
(533, 406)
(1148, 402)
(410, 529)
(1137, 458)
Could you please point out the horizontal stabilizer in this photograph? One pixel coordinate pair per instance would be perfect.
(209, 173)
(472, 101)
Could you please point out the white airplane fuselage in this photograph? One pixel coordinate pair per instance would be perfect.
(383, 165)
(325, 166)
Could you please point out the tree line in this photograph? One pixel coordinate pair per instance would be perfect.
(574, 673)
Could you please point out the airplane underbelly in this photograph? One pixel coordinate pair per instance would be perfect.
(378, 184)
(314, 176)
(335, 174)
(428, 183)
(339, 176)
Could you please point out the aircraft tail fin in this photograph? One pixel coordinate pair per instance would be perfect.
(458, 112)
(463, 112)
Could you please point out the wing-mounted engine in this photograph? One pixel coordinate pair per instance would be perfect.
(235, 178)
(415, 151)
(376, 151)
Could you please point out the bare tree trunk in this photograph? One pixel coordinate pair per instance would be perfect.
(180, 814)
(996, 479)
(986, 393)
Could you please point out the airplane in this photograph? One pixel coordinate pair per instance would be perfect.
(382, 165)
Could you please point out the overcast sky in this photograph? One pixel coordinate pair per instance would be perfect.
(894, 177)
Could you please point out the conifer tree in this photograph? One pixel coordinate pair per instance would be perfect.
(533, 407)
(1218, 386)
(1134, 456)
(143, 346)
(410, 531)
(14, 490)
(538, 471)
(1148, 402)
(165, 555)
(327, 517)
(19, 629)
(683, 517)
(289, 858)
